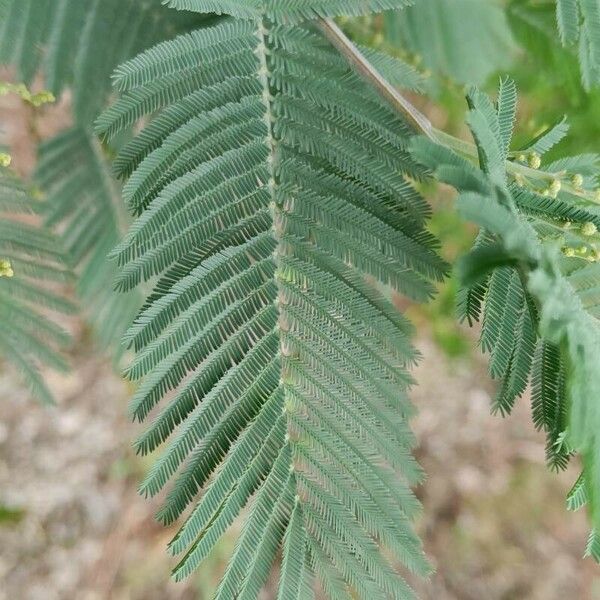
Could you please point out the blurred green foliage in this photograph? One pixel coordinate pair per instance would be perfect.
(440, 313)
(466, 40)
(549, 82)
(10, 515)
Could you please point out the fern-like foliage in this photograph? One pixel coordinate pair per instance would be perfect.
(501, 301)
(288, 11)
(579, 26)
(83, 201)
(269, 183)
(31, 264)
(534, 276)
(61, 39)
(76, 45)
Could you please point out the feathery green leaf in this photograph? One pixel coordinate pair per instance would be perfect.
(32, 275)
(268, 183)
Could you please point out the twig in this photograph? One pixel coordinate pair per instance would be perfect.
(415, 117)
(354, 56)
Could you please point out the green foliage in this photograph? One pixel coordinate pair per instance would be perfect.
(579, 23)
(268, 183)
(472, 37)
(539, 294)
(10, 516)
(549, 79)
(76, 44)
(61, 39)
(84, 203)
(286, 11)
(275, 214)
(32, 273)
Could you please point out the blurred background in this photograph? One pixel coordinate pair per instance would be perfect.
(72, 525)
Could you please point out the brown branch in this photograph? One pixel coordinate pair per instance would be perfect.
(353, 55)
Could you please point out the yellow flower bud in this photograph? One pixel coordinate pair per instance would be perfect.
(534, 160)
(5, 159)
(554, 188)
(589, 228)
(21, 89)
(378, 39)
(6, 269)
(577, 180)
(40, 98)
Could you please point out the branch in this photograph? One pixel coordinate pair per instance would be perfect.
(415, 117)
(355, 57)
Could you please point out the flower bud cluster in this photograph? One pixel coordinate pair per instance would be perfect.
(6, 269)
